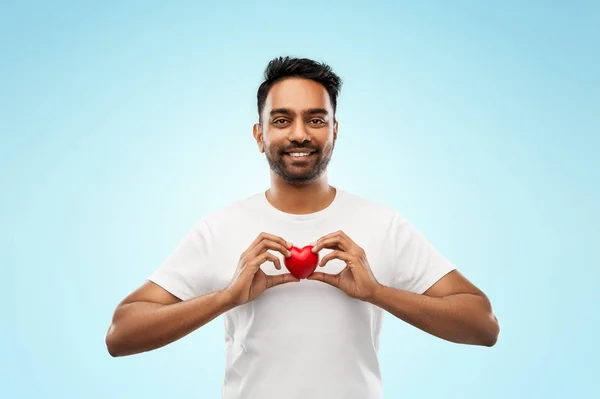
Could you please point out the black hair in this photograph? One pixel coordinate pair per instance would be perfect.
(286, 67)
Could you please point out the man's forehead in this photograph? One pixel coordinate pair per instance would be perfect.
(297, 96)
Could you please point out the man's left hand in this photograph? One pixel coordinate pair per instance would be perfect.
(356, 279)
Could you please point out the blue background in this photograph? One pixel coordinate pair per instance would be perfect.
(123, 123)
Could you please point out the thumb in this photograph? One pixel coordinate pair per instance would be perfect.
(330, 279)
(277, 279)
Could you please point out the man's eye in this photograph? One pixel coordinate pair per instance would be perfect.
(279, 121)
(317, 121)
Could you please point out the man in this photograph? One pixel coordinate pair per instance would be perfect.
(301, 338)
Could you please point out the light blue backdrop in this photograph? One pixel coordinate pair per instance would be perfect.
(122, 123)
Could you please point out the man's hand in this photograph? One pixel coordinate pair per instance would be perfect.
(356, 279)
(249, 281)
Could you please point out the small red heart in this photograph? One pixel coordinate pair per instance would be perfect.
(302, 262)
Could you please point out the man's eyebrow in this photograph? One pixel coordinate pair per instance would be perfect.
(287, 111)
(284, 111)
(313, 111)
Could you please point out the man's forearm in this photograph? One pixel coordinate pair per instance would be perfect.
(460, 318)
(142, 326)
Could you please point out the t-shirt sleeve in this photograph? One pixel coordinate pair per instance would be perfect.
(186, 273)
(418, 264)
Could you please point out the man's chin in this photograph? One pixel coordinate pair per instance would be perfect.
(295, 174)
(299, 178)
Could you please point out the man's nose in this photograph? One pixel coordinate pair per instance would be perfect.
(298, 132)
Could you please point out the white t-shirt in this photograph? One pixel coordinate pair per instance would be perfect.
(306, 339)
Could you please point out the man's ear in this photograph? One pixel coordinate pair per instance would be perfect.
(335, 130)
(258, 136)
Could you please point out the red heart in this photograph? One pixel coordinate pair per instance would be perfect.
(302, 262)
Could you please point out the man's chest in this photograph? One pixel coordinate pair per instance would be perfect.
(233, 241)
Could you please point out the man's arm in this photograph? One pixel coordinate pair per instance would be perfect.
(452, 309)
(151, 317)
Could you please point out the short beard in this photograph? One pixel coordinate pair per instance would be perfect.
(277, 166)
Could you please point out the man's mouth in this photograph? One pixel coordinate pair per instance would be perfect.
(299, 154)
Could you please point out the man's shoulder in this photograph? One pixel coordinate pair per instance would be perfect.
(376, 214)
(364, 205)
(232, 210)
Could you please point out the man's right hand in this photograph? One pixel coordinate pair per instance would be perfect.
(151, 317)
(249, 281)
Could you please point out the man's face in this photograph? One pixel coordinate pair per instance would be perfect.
(298, 131)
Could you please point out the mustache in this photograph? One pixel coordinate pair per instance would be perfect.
(299, 147)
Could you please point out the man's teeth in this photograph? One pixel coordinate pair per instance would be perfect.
(299, 154)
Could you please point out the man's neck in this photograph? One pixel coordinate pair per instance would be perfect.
(300, 199)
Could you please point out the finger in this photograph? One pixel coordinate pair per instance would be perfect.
(335, 242)
(278, 239)
(337, 254)
(273, 280)
(324, 238)
(331, 279)
(333, 234)
(267, 244)
(263, 257)
(268, 236)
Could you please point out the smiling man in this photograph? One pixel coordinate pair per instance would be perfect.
(301, 338)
